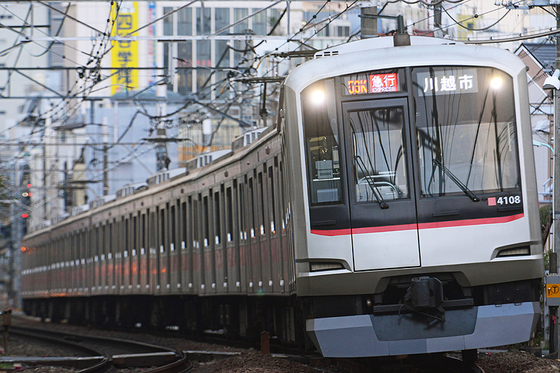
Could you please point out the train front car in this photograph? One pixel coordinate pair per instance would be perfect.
(416, 226)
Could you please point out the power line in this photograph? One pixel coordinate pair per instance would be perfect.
(516, 38)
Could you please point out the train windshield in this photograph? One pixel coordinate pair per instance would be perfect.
(321, 143)
(379, 154)
(466, 130)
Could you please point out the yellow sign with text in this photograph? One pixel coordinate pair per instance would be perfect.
(124, 54)
(553, 290)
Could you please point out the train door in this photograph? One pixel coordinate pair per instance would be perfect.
(382, 207)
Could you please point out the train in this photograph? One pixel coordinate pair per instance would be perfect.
(390, 210)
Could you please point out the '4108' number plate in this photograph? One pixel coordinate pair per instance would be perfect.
(504, 201)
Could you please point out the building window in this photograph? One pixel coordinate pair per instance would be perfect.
(203, 59)
(240, 13)
(184, 64)
(168, 22)
(184, 21)
(259, 23)
(203, 21)
(221, 20)
(343, 31)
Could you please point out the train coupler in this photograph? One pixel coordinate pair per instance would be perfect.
(425, 296)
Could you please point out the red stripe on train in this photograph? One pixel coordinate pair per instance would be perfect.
(405, 227)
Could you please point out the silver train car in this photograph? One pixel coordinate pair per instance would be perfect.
(391, 210)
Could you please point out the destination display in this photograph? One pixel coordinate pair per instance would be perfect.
(442, 81)
(367, 83)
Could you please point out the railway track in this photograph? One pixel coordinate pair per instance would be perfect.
(98, 354)
(101, 354)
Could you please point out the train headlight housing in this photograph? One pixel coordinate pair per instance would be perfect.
(318, 97)
(496, 83)
(517, 251)
(325, 266)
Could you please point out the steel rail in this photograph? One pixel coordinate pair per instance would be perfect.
(108, 352)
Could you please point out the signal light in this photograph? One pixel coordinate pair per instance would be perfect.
(28, 185)
(25, 216)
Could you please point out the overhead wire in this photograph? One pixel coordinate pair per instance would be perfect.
(56, 34)
(25, 24)
(302, 44)
(95, 58)
(8, 80)
(475, 29)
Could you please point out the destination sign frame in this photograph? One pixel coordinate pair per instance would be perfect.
(374, 82)
(446, 80)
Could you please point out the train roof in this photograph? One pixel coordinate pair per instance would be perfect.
(174, 178)
(380, 42)
(380, 53)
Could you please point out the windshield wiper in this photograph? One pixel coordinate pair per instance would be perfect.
(371, 184)
(456, 180)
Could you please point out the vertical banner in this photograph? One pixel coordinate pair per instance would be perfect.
(152, 43)
(125, 52)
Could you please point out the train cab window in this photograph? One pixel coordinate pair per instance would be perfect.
(466, 131)
(379, 157)
(322, 143)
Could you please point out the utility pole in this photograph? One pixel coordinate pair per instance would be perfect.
(553, 268)
(438, 32)
(105, 131)
(162, 160)
(17, 232)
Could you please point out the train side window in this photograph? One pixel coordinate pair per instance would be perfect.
(96, 244)
(126, 237)
(283, 213)
(162, 238)
(217, 225)
(135, 237)
(251, 210)
(272, 199)
(152, 224)
(196, 223)
(205, 224)
(173, 228)
(260, 201)
(322, 143)
(183, 221)
(229, 214)
(110, 238)
(242, 212)
(143, 235)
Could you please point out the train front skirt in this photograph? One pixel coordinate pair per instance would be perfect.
(463, 329)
